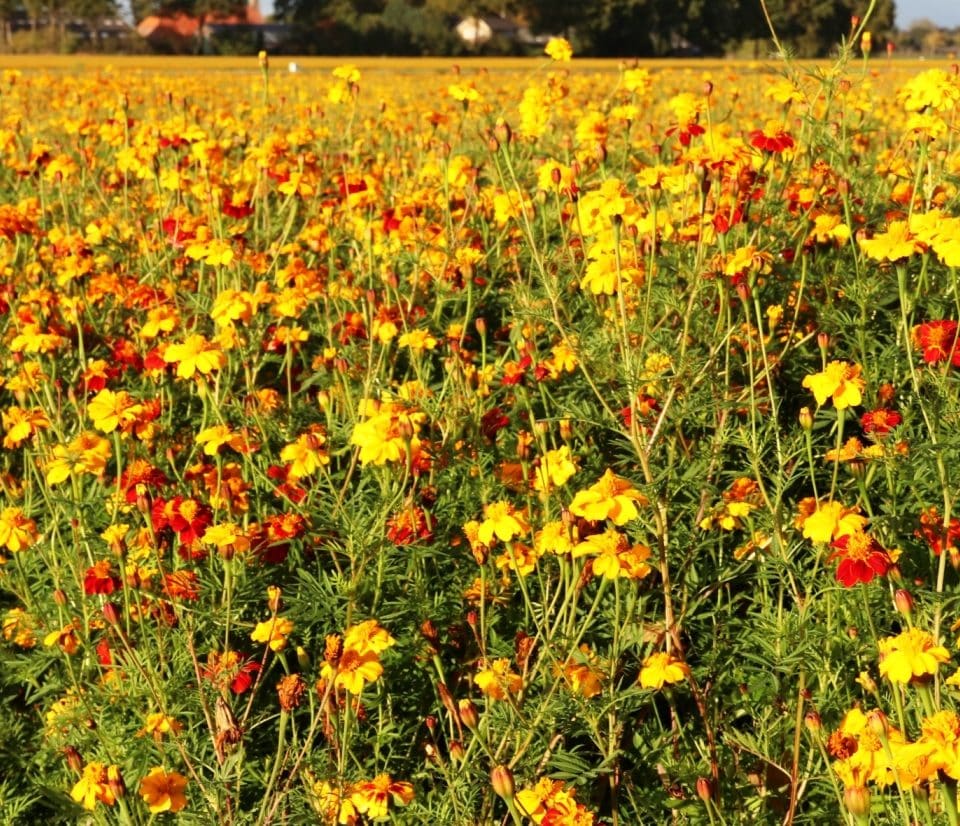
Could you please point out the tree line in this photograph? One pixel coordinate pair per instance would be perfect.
(641, 28)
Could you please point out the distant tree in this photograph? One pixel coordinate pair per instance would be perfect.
(813, 28)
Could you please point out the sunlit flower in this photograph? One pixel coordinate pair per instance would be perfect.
(163, 791)
(661, 669)
(911, 655)
(611, 497)
(273, 632)
(558, 49)
(840, 381)
(373, 797)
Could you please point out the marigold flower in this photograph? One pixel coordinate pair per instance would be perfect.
(840, 381)
(372, 797)
(555, 469)
(503, 521)
(611, 497)
(17, 531)
(551, 803)
(861, 558)
(938, 341)
(158, 724)
(559, 49)
(824, 521)
(497, 681)
(662, 668)
(94, 787)
(273, 632)
(911, 655)
(163, 791)
(195, 355)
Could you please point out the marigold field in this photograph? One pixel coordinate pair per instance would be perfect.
(532, 442)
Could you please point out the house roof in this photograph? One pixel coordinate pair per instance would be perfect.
(181, 25)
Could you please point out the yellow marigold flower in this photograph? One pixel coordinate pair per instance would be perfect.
(662, 669)
(826, 521)
(88, 453)
(559, 49)
(65, 638)
(332, 804)
(94, 786)
(555, 469)
(163, 791)
(17, 531)
(109, 410)
(217, 436)
(940, 744)
(418, 340)
(159, 724)
(306, 455)
(18, 627)
(195, 355)
(552, 799)
(273, 632)
(228, 538)
(503, 521)
(553, 538)
(895, 244)
(214, 252)
(611, 497)
(840, 381)
(497, 681)
(353, 670)
(367, 636)
(934, 89)
(910, 655)
(372, 797)
(21, 424)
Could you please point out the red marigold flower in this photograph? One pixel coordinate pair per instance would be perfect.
(861, 558)
(235, 207)
(774, 143)
(493, 421)
(138, 477)
(100, 579)
(880, 422)
(938, 340)
(408, 525)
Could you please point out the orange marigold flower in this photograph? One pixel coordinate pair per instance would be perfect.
(163, 791)
(273, 632)
(17, 531)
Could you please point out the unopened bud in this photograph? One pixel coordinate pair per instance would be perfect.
(457, 752)
(705, 789)
(903, 601)
(857, 800)
(806, 418)
(501, 778)
(468, 714)
(812, 721)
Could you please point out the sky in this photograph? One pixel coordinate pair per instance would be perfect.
(942, 12)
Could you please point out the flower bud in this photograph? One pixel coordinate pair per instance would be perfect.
(705, 789)
(903, 601)
(457, 752)
(468, 714)
(806, 419)
(812, 721)
(501, 778)
(857, 800)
